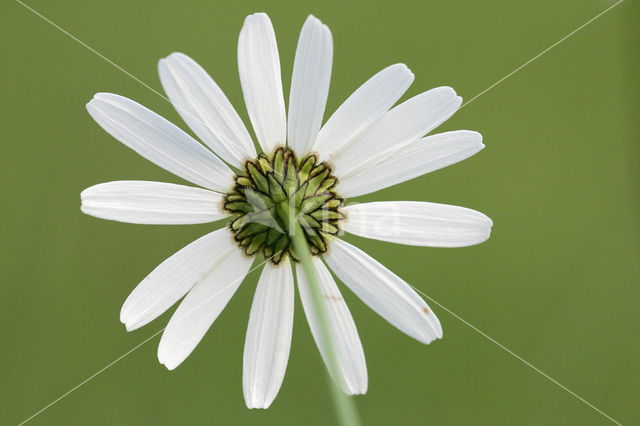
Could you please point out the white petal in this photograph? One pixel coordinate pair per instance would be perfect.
(309, 84)
(259, 67)
(417, 223)
(152, 203)
(200, 308)
(383, 291)
(350, 360)
(419, 157)
(266, 348)
(205, 108)
(159, 141)
(366, 105)
(174, 277)
(402, 125)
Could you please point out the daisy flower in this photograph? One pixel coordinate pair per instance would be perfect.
(299, 178)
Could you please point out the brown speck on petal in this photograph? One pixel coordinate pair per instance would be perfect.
(426, 310)
(330, 297)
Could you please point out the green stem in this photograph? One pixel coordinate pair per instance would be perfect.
(344, 405)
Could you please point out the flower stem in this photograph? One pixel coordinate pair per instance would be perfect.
(343, 403)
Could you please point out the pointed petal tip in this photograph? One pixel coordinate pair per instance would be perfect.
(255, 407)
(83, 208)
(168, 363)
(174, 58)
(474, 138)
(451, 93)
(311, 19)
(104, 96)
(435, 328)
(486, 220)
(130, 320)
(358, 389)
(430, 338)
(448, 92)
(164, 66)
(253, 402)
(439, 333)
(399, 67)
(127, 320)
(256, 15)
(403, 67)
(91, 104)
(447, 89)
(176, 55)
(490, 223)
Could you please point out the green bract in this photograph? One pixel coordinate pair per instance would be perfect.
(273, 193)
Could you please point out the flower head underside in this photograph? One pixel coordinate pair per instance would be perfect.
(278, 191)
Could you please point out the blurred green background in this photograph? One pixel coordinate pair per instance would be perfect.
(557, 283)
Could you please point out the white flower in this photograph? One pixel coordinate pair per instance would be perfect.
(367, 143)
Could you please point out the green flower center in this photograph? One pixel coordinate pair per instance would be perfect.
(276, 192)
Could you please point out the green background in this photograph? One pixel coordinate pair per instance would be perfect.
(557, 283)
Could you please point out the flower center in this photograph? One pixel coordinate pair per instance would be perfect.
(275, 193)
